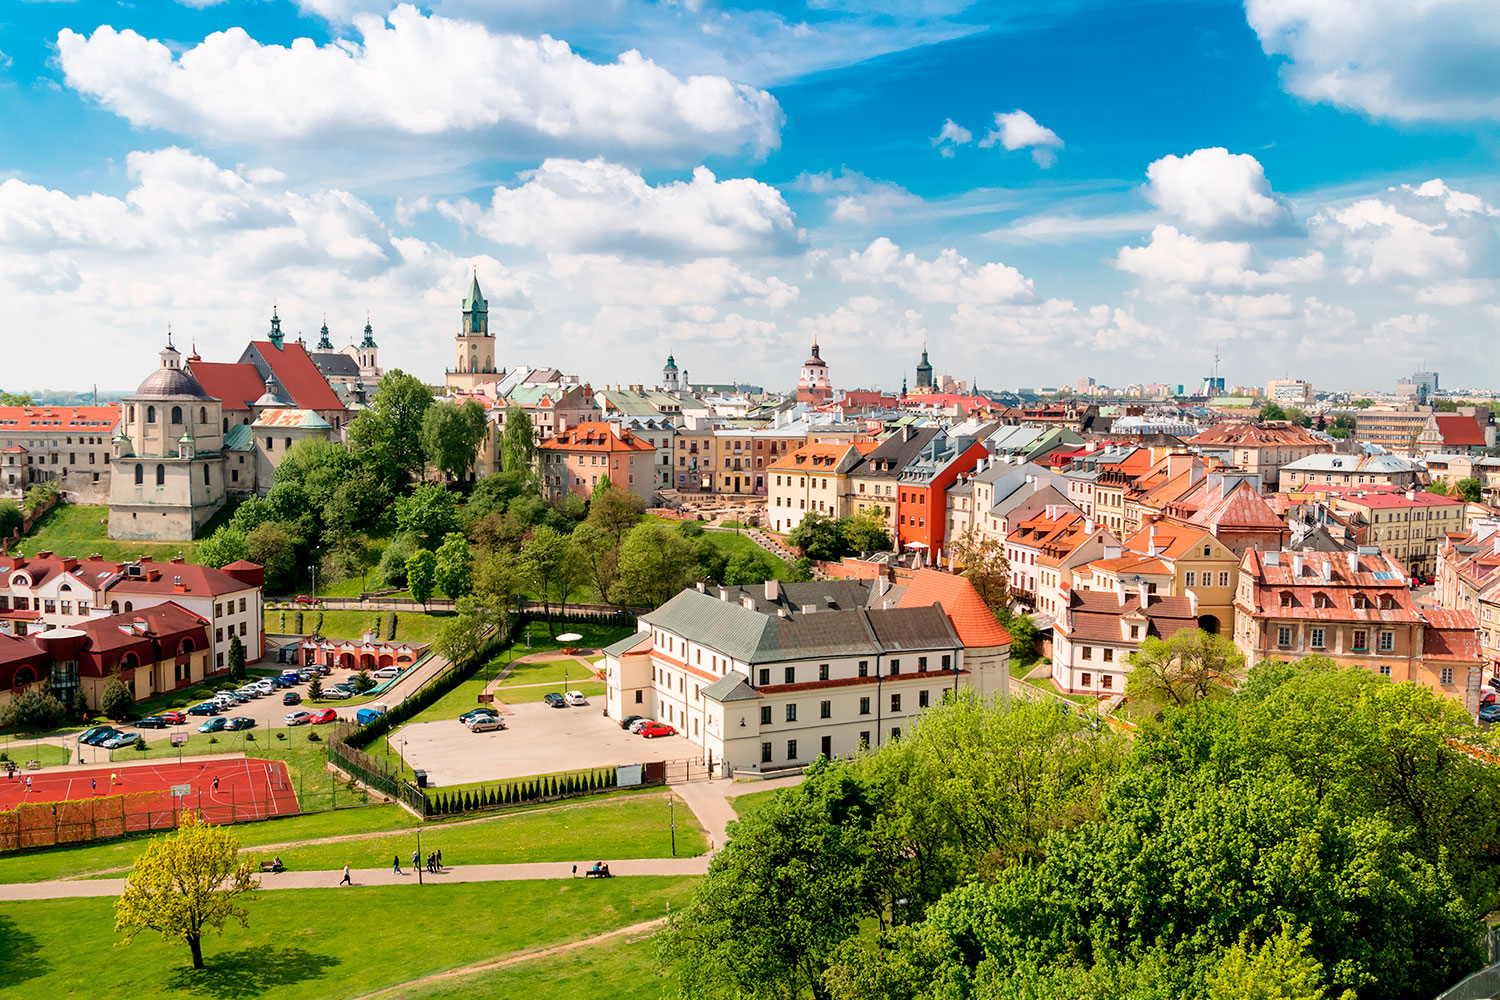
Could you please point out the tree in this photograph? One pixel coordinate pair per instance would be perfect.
(984, 566)
(236, 658)
(115, 701)
(1440, 486)
(224, 546)
(548, 561)
(390, 431)
(1281, 968)
(429, 511)
(16, 399)
(748, 568)
(454, 569)
(362, 681)
(39, 496)
(273, 545)
(184, 884)
(421, 574)
(517, 442)
(599, 554)
(1470, 489)
(1272, 411)
(865, 532)
(11, 518)
(712, 559)
(391, 570)
(452, 434)
(34, 710)
(819, 537)
(614, 511)
(343, 518)
(1184, 669)
(1025, 639)
(315, 688)
(655, 563)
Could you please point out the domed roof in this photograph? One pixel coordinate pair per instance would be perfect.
(170, 383)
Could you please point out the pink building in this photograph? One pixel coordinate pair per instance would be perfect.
(574, 460)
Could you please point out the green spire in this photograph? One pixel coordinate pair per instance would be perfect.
(476, 310)
(276, 334)
(369, 340)
(324, 344)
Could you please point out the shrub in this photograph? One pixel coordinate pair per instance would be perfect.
(213, 739)
(140, 744)
(390, 627)
(297, 623)
(312, 736)
(281, 736)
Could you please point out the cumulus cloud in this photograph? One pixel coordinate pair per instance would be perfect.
(587, 206)
(1403, 59)
(1018, 130)
(950, 137)
(416, 77)
(1217, 192)
(615, 281)
(1172, 257)
(949, 277)
(1428, 232)
(853, 197)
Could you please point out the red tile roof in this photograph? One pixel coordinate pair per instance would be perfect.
(971, 618)
(1459, 430)
(1452, 635)
(59, 418)
(1096, 615)
(1386, 500)
(595, 436)
(45, 566)
(159, 578)
(298, 375)
(1258, 435)
(236, 386)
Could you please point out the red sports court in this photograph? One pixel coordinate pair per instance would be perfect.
(81, 804)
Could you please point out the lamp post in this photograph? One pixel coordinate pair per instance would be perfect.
(313, 569)
(419, 854)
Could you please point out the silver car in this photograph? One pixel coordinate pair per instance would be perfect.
(484, 723)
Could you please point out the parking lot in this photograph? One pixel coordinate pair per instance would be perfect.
(536, 740)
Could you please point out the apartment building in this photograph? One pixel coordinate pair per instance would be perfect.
(575, 460)
(1261, 449)
(1356, 608)
(1093, 639)
(1468, 579)
(922, 489)
(66, 445)
(873, 482)
(1172, 560)
(1350, 470)
(815, 477)
(1408, 526)
(1394, 428)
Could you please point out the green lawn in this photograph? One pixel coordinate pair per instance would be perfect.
(591, 689)
(545, 671)
(1045, 684)
(732, 544)
(749, 802)
(594, 636)
(466, 695)
(82, 530)
(319, 944)
(620, 966)
(411, 626)
(21, 750)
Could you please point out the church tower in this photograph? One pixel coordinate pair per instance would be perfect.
(813, 385)
(475, 348)
(275, 336)
(669, 379)
(924, 373)
(324, 344)
(368, 366)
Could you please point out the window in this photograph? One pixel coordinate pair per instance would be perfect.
(791, 749)
(921, 664)
(1109, 655)
(822, 671)
(765, 676)
(791, 675)
(1361, 640)
(1224, 578)
(161, 475)
(176, 415)
(1086, 679)
(765, 753)
(1387, 641)
(1191, 578)
(791, 713)
(1286, 598)
(1135, 631)
(825, 710)
(921, 699)
(640, 697)
(1317, 638)
(1108, 681)
(242, 604)
(150, 414)
(895, 703)
(895, 667)
(864, 706)
(1088, 652)
(895, 734)
(1446, 677)
(1385, 670)
(1284, 636)
(140, 472)
(864, 668)
(218, 610)
(765, 715)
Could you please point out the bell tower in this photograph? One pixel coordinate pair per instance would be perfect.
(474, 348)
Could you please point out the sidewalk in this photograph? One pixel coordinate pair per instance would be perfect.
(380, 876)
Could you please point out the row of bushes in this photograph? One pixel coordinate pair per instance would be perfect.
(514, 793)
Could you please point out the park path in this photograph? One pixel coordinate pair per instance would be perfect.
(524, 871)
(516, 958)
(710, 802)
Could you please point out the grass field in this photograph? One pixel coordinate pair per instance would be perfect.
(466, 695)
(732, 544)
(594, 636)
(545, 671)
(82, 530)
(590, 689)
(411, 626)
(319, 944)
(22, 750)
(598, 972)
(748, 803)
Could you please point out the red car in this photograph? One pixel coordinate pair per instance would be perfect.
(325, 715)
(651, 730)
(307, 599)
(173, 718)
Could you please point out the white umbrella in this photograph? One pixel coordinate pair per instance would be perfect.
(569, 637)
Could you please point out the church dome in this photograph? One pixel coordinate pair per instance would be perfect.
(171, 383)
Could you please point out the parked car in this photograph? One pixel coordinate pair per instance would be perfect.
(173, 718)
(238, 723)
(485, 723)
(204, 708)
(555, 700)
(324, 715)
(291, 698)
(307, 599)
(1490, 713)
(365, 716)
(307, 673)
(475, 713)
(298, 718)
(214, 725)
(635, 726)
(575, 698)
(283, 681)
(348, 687)
(626, 722)
(266, 686)
(651, 730)
(336, 693)
(119, 740)
(249, 691)
(101, 733)
(152, 722)
(324, 670)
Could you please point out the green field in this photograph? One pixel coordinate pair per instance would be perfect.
(466, 695)
(319, 944)
(21, 750)
(411, 626)
(590, 689)
(594, 636)
(601, 971)
(82, 530)
(544, 672)
(750, 801)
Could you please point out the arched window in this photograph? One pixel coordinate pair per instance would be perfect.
(202, 414)
(205, 475)
(128, 606)
(150, 414)
(129, 661)
(114, 607)
(131, 411)
(161, 475)
(140, 473)
(184, 647)
(176, 415)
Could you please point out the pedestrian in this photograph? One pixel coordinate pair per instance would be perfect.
(94, 786)
(216, 783)
(416, 861)
(440, 857)
(396, 865)
(346, 880)
(575, 871)
(114, 778)
(28, 782)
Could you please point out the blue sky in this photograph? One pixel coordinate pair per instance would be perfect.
(1038, 191)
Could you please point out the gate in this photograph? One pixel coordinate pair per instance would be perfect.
(676, 772)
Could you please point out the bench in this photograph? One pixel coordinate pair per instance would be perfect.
(270, 866)
(33, 765)
(596, 873)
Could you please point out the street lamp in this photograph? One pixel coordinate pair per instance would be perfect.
(313, 569)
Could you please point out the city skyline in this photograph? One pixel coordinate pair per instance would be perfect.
(1065, 191)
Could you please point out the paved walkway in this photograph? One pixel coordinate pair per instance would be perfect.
(380, 876)
(710, 802)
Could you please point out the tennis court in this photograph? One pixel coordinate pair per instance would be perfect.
(80, 804)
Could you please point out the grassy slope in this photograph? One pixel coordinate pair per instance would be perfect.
(327, 944)
(81, 530)
(411, 626)
(598, 972)
(545, 671)
(745, 804)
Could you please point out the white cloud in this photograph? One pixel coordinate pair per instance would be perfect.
(1216, 191)
(853, 197)
(414, 77)
(1404, 59)
(1382, 241)
(1174, 258)
(949, 277)
(1066, 228)
(1018, 130)
(616, 281)
(582, 206)
(951, 136)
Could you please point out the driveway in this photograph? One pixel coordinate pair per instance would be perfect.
(537, 740)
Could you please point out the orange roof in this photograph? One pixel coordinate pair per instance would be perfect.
(1242, 435)
(91, 419)
(820, 457)
(1134, 563)
(595, 436)
(1173, 539)
(971, 618)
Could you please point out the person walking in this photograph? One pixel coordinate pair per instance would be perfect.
(94, 786)
(346, 880)
(28, 782)
(439, 857)
(396, 865)
(416, 860)
(216, 783)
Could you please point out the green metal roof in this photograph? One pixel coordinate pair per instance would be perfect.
(239, 438)
(625, 645)
(730, 687)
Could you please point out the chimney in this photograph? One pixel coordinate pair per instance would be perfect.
(701, 587)
(747, 602)
(808, 609)
(1088, 526)
(1273, 558)
(773, 589)
(723, 593)
(177, 587)
(906, 432)
(1411, 493)
(1143, 594)
(881, 585)
(1328, 570)
(1296, 565)
(1113, 552)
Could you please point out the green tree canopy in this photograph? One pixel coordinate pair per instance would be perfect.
(517, 442)
(236, 658)
(1188, 667)
(550, 565)
(452, 435)
(391, 429)
(429, 511)
(421, 575)
(115, 701)
(224, 546)
(1272, 411)
(748, 568)
(1470, 489)
(866, 533)
(34, 710)
(819, 537)
(274, 546)
(655, 563)
(11, 518)
(454, 572)
(615, 511)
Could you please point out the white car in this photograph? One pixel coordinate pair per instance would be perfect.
(298, 718)
(575, 698)
(484, 723)
(386, 673)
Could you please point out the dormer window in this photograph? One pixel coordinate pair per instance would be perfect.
(1361, 602)
(1321, 600)
(1286, 598)
(1386, 602)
